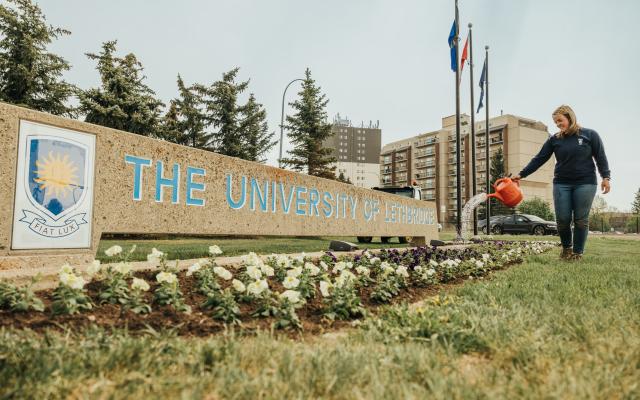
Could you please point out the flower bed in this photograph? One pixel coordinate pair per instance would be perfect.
(280, 293)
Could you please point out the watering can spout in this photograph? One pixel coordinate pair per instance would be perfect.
(507, 192)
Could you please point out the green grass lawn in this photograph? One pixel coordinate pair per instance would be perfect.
(542, 329)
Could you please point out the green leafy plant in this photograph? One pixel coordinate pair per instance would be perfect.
(343, 302)
(19, 298)
(223, 305)
(115, 289)
(168, 292)
(135, 299)
(386, 287)
(70, 300)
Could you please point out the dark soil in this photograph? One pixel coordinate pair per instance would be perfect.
(199, 322)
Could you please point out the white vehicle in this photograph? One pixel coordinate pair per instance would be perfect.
(413, 192)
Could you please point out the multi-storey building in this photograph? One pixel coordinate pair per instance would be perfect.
(429, 159)
(357, 151)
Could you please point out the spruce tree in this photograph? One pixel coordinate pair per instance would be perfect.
(254, 130)
(224, 114)
(307, 129)
(123, 101)
(185, 122)
(497, 172)
(635, 206)
(29, 75)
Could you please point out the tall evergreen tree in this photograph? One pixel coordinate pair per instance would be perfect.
(635, 206)
(224, 114)
(123, 101)
(185, 122)
(254, 130)
(29, 75)
(497, 172)
(307, 129)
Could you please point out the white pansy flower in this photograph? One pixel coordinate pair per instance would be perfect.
(290, 282)
(223, 273)
(93, 268)
(254, 272)
(363, 270)
(324, 265)
(374, 260)
(283, 261)
(433, 263)
(402, 271)
(66, 269)
(292, 295)
(76, 282)
(257, 287)
(324, 288)
(431, 272)
(65, 278)
(386, 268)
(113, 251)
(486, 257)
(238, 286)
(344, 278)
(139, 284)
(155, 256)
(418, 268)
(300, 258)
(267, 270)
(166, 277)
(215, 250)
(294, 272)
(194, 268)
(339, 266)
(313, 270)
(252, 259)
(479, 264)
(122, 268)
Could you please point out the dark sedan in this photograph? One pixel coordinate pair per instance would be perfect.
(482, 222)
(523, 223)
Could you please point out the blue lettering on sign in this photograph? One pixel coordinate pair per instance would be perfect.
(194, 186)
(236, 205)
(264, 194)
(173, 182)
(138, 163)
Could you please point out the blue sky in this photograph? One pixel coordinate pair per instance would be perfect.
(386, 60)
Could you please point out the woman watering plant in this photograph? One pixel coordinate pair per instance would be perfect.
(574, 182)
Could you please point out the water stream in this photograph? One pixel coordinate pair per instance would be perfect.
(466, 219)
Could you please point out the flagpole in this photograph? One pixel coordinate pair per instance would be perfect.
(486, 145)
(473, 133)
(458, 145)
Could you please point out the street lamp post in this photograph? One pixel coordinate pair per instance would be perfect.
(282, 120)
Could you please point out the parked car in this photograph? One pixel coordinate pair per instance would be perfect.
(523, 223)
(482, 223)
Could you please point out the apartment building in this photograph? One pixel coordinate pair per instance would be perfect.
(429, 159)
(357, 151)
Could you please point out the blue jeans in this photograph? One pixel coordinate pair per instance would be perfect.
(573, 203)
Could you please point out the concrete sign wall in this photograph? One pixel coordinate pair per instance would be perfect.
(63, 183)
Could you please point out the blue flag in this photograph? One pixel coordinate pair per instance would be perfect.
(482, 75)
(452, 47)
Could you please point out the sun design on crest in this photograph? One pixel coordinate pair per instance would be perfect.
(56, 174)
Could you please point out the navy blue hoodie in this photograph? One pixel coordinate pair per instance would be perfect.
(574, 158)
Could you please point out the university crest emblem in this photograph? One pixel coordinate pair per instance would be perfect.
(53, 188)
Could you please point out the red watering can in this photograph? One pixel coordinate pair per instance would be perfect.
(507, 191)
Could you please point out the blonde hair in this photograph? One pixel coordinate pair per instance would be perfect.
(571, 116)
